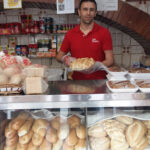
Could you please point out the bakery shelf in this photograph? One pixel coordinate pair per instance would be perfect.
(65, 94)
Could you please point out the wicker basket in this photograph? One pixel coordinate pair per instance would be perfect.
(7, 89)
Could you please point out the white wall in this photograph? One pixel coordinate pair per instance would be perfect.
(119, 38)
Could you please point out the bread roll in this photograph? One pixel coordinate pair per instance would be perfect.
(31, 146)
(124, 119)
(135, 133)
(26, 138)
(40, 126)
(22, 146)
(74, 121)
(25, 127)
(147, 123)
(81, 132)
(81, 145)
(57, 145)
(63, 131)
(55, 123)
(97, 131)
(10, 132)
(13, 147)
(115, 129)
(45, 145)
(141, 145)
(37, 139)
(67, 147)
(12, 141)
(117, 145)
(19, 120)
(102, 143)
(72, 138)
(51, 135)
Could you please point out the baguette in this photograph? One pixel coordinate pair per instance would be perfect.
(45, 145)
(22, 146)
(12, 141)
(9, 131)
(37, 139)
(31, 146)
(51, 135)
(26, 127)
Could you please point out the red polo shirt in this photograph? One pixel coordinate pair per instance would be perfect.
(92, 45)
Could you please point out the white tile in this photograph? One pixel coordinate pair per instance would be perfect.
(118, 39)
(136, 50)
(117, 59)
(135, 58)
(11, 19)
(134, 42)
(126, 40)
(4, 41)
(3, 18)
(117, 50)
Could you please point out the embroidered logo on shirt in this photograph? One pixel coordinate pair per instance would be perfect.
(95, 41)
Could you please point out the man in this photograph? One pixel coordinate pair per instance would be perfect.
(87, 40)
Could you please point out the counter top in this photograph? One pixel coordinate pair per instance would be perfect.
(75, 94)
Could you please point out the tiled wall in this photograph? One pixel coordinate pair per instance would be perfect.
(121, 41)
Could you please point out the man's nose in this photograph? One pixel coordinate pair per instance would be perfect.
(88, 12)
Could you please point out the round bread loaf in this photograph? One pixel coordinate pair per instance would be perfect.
(74, 121)
(72, 138)
(22, 146)
(26, 138)
(55, 123)
(51, 135)
(12, 141)
(124, 119)
(117, 145)
(81, 145)
(97, 131)
(45, 145)
(31, 146)
(81, 132)
(67, 147)
(40, 126)
(37, 139)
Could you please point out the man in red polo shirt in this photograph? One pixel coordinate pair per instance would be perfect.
(87, 39)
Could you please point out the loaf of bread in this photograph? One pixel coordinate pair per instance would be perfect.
(97, 130)
(115, 129)
(31, 146)
(135, 132)
(25, 127)
(9, 131)
(57, 145)
(51, 135)
(81, 145)
(117, 145)
(26, 138)
(81, 132)
(63, 131)
(40, 126)
(72, 138)
(12, 141)
(67, 147)
(37, 139)
(74, 121)
(82, 63)
(102, 143)
(22, 146)
(19, 120)
(141, 145)
(13, 147)
(45, 145)
(124, 119)
(147, 123)
(35, 85)
(55, 123)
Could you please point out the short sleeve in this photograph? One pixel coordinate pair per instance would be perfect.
(107, 41)
(65, 47)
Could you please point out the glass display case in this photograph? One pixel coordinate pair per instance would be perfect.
(75, 115)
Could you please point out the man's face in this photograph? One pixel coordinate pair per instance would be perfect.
(87, 12)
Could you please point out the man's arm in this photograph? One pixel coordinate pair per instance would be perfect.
(109, 59)
(60, 56)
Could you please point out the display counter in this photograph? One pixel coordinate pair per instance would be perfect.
(75, 115)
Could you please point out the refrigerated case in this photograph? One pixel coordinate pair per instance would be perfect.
(95, 109)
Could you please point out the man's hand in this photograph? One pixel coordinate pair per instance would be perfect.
(97, 66)
(67, 60)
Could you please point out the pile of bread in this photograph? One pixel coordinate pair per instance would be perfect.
(120, 133)
(26, 133)
(121, 84)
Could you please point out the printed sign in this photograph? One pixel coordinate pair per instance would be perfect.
(107, 5)
(9, 4)
(65, 6)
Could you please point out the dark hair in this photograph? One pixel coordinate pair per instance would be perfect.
(92, 1)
